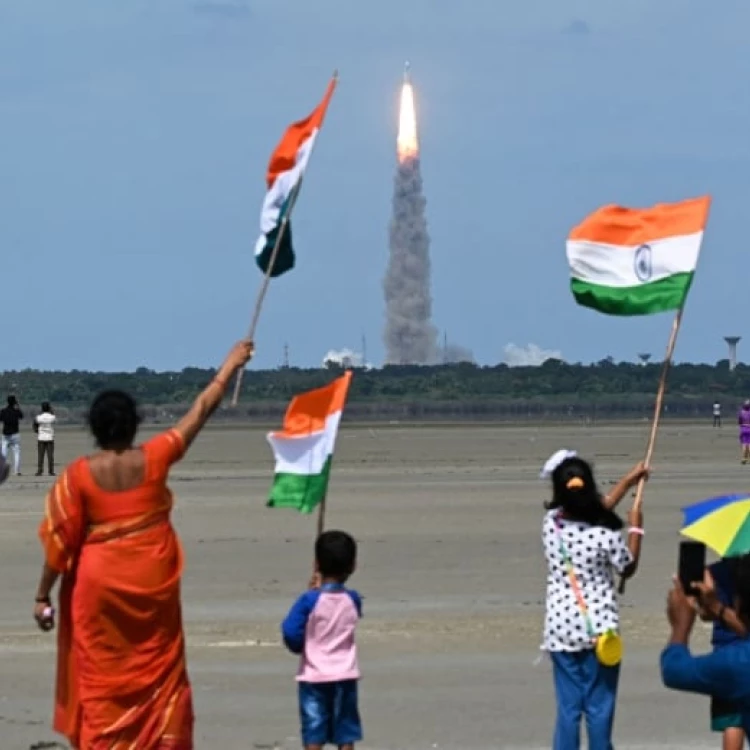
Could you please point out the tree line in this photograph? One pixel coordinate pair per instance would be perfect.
(604, 389)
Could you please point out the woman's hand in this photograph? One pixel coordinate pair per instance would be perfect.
(44, 616)
(240, 355)
(638, 472)
(680, 612)
(709, 604)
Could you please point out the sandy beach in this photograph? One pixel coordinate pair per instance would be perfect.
(450, 567)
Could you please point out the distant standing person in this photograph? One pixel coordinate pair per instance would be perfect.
(44, 426)
(717, 414)
(11, 417)
(743, 419)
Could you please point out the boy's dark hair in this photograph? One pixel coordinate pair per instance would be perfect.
(336, 554)
(114, 419)
(574, 490)
(742, 586)
(12, 400)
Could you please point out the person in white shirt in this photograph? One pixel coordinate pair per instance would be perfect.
(717, 414)
(44, 426)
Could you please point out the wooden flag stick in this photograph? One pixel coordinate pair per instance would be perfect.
(267, 277)
(264, 286)
(638, 502)
(321, 516)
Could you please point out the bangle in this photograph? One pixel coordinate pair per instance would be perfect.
(43, 600)
(637, 530)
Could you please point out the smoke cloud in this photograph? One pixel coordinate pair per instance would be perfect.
(345, 358)
(455, 353)
(530, 355)
(410, 337)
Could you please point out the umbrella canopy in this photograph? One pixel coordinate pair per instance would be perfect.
(721, 523)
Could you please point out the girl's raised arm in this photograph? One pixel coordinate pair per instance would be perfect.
(626, 484)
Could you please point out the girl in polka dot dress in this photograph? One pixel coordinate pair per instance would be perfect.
(584, 548)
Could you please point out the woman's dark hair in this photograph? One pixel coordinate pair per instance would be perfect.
(114, 419)
(574, 491)
(46, 408)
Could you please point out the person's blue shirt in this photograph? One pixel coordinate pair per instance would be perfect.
(724, 673)
(723, 575)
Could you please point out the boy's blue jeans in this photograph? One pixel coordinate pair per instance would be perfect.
(584, 687)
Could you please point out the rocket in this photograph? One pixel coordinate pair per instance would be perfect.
(407, 65)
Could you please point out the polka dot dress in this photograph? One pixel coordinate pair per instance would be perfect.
(596, 553)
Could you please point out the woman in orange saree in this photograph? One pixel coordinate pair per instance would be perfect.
(122, 681)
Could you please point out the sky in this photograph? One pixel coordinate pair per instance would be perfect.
(136, 137)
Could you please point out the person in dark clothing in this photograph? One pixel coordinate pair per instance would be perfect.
(724, 673)
(10, 418)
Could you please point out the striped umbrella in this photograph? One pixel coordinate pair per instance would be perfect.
(721, 523)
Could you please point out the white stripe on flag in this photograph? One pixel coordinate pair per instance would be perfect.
(613, 265)
(308, 454)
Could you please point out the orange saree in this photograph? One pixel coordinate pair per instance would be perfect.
(122, 679)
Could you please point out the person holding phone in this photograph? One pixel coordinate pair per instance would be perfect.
(723, 674)
(584, 549)
(716, 595)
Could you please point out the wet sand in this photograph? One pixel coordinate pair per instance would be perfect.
(450, 567)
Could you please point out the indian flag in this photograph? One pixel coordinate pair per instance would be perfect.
(303, 449)
(629, 261)
(285, 172)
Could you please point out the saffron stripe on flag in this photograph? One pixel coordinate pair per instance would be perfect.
(626, 261)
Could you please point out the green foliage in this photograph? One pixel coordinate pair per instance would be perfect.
(462, 390)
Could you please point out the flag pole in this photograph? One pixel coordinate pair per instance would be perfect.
(658, 407)
(267, 276)
(264, 286)
(638, 502)
(322, 515)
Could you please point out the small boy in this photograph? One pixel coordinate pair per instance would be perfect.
(320, 627)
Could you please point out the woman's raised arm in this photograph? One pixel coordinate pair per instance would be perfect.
(207, 402)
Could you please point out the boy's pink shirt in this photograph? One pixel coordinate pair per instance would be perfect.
(330, 653)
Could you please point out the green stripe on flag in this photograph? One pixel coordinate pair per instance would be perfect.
(302, 492)
(285, 255)
(658, 296)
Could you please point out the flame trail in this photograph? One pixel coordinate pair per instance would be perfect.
(410, 337)
(407, 143)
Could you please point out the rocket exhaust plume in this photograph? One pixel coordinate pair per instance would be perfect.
(410, 337)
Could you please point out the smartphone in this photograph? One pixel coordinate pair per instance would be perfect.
(692, 565)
